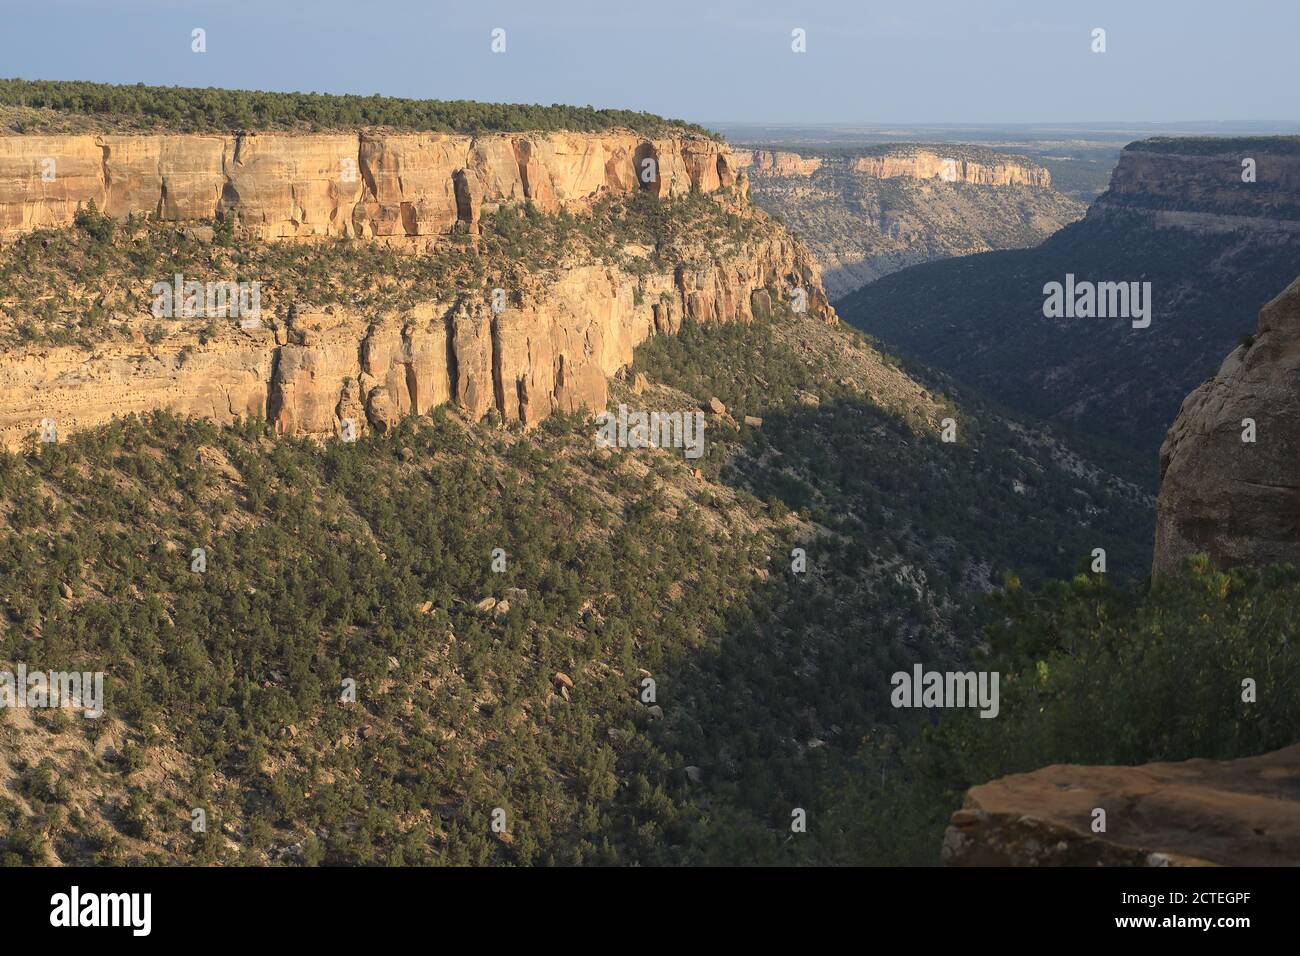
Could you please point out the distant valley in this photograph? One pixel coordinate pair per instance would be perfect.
(867, 212)
(1178, 215)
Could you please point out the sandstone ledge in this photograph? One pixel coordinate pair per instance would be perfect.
(920, 164)
(1242, 812)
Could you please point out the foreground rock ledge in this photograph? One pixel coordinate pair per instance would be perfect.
(1197, 813)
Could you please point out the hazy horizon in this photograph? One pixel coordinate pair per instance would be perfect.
(1007, 62)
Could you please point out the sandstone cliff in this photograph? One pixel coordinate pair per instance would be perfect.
(1237, 179)
(549, 350)
(1200, 812)
(777, 162)
(1235, 499)
(906, 162)
(361, 184)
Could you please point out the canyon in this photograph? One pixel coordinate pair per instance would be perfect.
(1177, 214)
(1229, 493)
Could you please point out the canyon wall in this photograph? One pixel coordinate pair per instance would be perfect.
(1198, 184)
(907, 164)
(1238, 500)
(777, 162)
(550, 350)
(359, 184)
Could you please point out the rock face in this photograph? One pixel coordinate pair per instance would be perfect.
(777, 162)
(1238, 500)
(1207, 175)
(363, 184)
(908, 163)
(1200, 812)
(552, 350)
(926, 165)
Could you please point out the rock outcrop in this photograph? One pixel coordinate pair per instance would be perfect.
(1230, 464)
(923, 164)
(550, 350)
(907, 162)
(777, 162)
(1242, 812)
(1242, 179)
(280, 185)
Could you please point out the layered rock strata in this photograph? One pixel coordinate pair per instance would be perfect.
(908, 164)
(361, 184)
(549, 350)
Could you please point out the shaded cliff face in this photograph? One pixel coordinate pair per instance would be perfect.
(1230, 465)
(360, 184)
(1206, 176)
(1196, 813)
(865, 216)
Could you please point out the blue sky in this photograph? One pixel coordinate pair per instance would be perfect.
(993, 61)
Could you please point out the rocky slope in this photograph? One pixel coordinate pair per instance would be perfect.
(354, 184)
(1213, 248)
(1230, 490)
(520, 689)
(1200, 812)
(865, 215)
(1222, 493)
